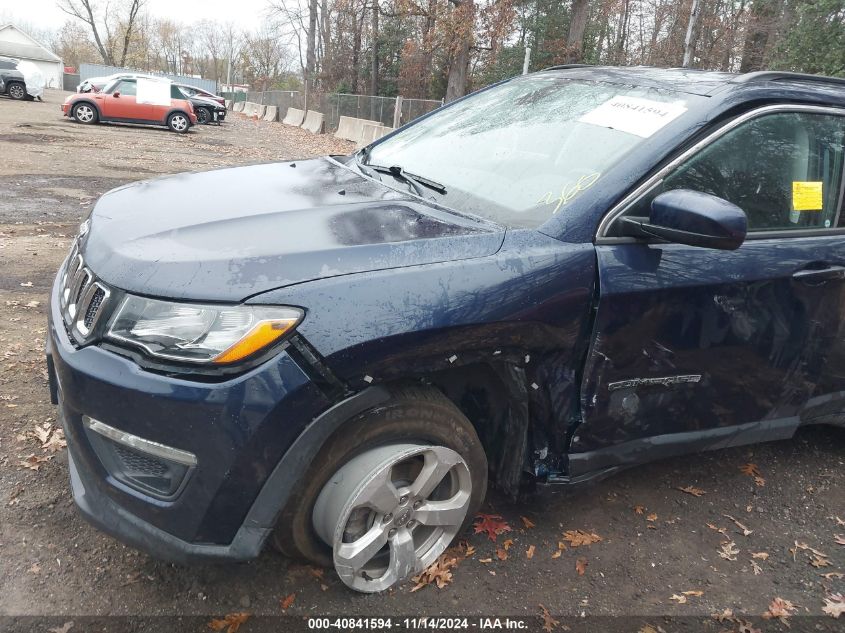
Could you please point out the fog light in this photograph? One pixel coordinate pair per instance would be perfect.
(147, 466)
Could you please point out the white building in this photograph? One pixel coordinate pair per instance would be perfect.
(15, 43)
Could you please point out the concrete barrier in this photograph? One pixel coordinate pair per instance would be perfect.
(351, 129)
(271, 113)
(295, 116)
(239, 106)
(228, 103)
(371, 132)
(313, 121)
(254, 109)
(260, 111)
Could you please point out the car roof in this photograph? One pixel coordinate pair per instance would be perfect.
(698, 82)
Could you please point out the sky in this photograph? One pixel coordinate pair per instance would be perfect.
(44, 14)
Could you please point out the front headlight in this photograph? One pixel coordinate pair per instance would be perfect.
(192, 333)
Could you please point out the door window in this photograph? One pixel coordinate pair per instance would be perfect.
(126, 88)
(784, 170)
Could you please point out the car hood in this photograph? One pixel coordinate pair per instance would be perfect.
(228, 234)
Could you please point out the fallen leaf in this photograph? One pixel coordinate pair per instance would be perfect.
(485, 560)
(744, 530)
(692, 490)
(507, 544)
(438, 573)
(728, 550)
(26, 284)
(820, 561)
(639, 509)
(833, 575)
(756, 568)
(35, 569)
(781, 609)
(726, 615)
(557, 554)
(693, 592)
(717, 529)
(231, 622)
(549, 622)
(33, 462)
(647, 628)
(528, 523)
(501, 554)
(492, 525)
(834, 605)
(752, 471)
(760, 555)
(470, 550)
(529, 553)
(581, 565)
(678, 599)
(64, 628)
(652, 517)
(839, 539)
(578, 538)
(287, 601)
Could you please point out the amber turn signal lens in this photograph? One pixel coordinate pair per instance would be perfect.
(259, 337)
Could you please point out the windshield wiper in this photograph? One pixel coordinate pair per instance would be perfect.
(412, 179)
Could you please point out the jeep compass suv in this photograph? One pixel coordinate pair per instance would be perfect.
(546, 282)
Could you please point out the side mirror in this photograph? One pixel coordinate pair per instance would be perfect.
(115, 94)
(693, 218)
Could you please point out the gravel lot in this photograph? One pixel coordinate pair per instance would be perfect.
(657, 541)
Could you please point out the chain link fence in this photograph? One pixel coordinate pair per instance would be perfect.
(335, 105)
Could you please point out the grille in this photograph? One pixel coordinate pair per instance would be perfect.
(137, 464)
(82, 297)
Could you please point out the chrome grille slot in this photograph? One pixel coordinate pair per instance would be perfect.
(82, 297)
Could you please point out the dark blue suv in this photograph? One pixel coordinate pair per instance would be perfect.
(555, 278)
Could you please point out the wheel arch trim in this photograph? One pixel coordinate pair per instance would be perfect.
(86, 102)
(291, 468)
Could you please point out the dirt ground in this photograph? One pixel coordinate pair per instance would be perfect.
(742, 543)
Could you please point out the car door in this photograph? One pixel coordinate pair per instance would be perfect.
(120, 103)
(697, 348)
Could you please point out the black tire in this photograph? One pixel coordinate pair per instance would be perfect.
(179, 122)
(415, 414)
(16, 90)
(203, 116)
(85, 113)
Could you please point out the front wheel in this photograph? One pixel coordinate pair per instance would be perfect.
(203, 116)
(17, 91)
(84, 113)
(178, 122)
(388, 492)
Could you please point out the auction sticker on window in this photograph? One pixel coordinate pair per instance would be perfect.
(641, 117)
(807, 196)
(153, 91)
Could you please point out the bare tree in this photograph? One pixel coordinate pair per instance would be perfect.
(108, 23)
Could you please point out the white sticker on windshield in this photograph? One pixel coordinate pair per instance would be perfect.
(641, 117)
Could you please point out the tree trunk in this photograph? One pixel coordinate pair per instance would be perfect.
(456, 85)
(577, 26)
(689, 41)
(760, 25)
(310, 51)
(374, 35)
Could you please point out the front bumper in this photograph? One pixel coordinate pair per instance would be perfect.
(239, 429)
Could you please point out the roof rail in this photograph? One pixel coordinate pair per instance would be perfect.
(565, 66)
(779, 75)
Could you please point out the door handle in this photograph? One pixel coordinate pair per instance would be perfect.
(820, 275)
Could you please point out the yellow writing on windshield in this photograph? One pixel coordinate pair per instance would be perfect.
(569, 191)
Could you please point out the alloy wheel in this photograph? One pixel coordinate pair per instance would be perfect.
(16, 91)
(84, 113)
(179, 123)
(390, 512)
